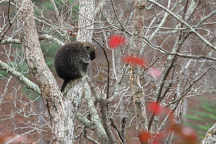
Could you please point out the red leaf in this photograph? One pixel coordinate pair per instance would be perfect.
(144, 136)
(155, 108)
(134, 61)
(115, 41)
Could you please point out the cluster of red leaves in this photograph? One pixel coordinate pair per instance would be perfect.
(118, 40)
(186, 135)
(133, 60)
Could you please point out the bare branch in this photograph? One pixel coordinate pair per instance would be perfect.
(10, 41)
(95, 117)
(185, 23)
(85, 121)
(41, 37)
(20, 76)
(50, 37)
(55, 8)
(206, 17)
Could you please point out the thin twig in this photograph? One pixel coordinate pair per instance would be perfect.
(20, 76)
(123, 126)
(185, 23)
(9, 6)
(117, 130)
(189, 88)
(114, 10)
(108, 67)
(6, 28)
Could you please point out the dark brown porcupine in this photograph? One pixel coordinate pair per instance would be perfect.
(72, 59)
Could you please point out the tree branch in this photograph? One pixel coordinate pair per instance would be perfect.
(37, 65)
(95, 117)
(20, 76)
(41, 37)
(185, 23)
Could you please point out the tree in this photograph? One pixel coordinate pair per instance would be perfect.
(151, 58)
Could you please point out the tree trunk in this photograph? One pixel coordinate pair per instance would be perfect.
(35, 60)
(85, 33)
(86, 20)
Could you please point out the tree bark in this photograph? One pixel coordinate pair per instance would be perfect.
(38, 68)
(210, 137)
(85, 33)
(86, 20)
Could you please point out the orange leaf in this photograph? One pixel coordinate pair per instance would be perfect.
(144, 136)
(187, 134)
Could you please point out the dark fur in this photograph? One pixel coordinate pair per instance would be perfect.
(72, 60)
